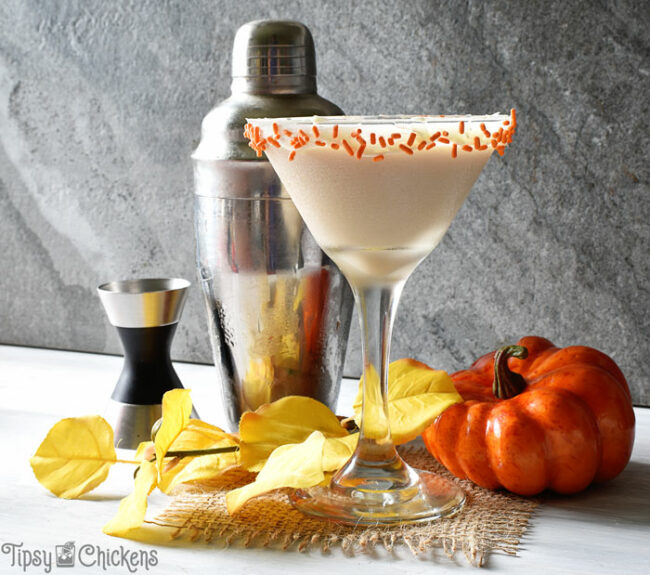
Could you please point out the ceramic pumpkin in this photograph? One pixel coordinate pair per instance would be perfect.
(537, 417)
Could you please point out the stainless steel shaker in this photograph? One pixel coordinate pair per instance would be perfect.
(278, 309)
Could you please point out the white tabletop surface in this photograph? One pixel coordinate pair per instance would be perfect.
(603, 530)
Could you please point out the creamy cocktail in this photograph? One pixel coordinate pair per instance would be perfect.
(378, 194)
(380, 215)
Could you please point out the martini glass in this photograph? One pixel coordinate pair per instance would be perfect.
(378, 194)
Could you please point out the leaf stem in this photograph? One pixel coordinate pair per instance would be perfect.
(129, 461)
(196, 452)
(199, 452)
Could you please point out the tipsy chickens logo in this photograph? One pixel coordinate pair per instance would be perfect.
(69, 555)
(65, 554)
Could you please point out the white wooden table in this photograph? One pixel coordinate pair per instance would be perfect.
(604, 530)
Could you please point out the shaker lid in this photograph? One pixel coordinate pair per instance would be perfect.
(274, 75)
(274, 56)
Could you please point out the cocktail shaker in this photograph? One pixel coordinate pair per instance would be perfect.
(278, 309)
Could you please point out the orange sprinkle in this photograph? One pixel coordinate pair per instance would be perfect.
(396, 136)
(454, 150)
(382, 141)
(431, 145)
(513, 117)
(276, 129)
(445, 134)
(411, 139)
(422, 144)
(316, 131)
(406, 149)
(443, 140)
(334, 146)
(256, 133)
(391, 141)
(378, 158)
(506, 123)
(335, 131)
(373, 138)
(292, 155)
(362, 147)
(303, 135)
(434, 137)
(467, 148)
(348, 148)
(477, 142)
(501, 150)
(461, 128)
(320, 143)
(485, 130)
(287, 133)
(483, 147)
(494, 143)
(273, 142)
(355, 133)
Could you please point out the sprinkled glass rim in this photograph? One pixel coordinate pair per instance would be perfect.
(379, 134)
(383, 119)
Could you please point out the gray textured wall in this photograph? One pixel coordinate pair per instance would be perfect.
(101, 103)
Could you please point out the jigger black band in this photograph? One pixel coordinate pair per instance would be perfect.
(148, 371)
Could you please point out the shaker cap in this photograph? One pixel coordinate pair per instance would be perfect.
(274, 56)
(274, 75)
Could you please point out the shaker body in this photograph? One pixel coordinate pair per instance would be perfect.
(278, 309)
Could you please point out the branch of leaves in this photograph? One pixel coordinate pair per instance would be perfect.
(293, 442)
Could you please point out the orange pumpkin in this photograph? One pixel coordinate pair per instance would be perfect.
(537, 417)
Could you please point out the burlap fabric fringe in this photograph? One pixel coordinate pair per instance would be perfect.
(490, 521)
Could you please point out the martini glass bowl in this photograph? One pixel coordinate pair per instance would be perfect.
(378, 194)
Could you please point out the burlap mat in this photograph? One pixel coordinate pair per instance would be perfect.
(490, 521)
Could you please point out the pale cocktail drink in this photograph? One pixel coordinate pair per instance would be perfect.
(378, 194)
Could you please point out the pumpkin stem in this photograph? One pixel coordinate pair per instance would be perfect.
(507, 383)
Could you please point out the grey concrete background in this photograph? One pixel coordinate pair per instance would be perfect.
(101, 103)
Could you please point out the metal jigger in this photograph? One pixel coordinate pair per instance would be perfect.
(145, 313)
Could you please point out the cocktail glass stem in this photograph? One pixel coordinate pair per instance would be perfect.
(375, 465)
(376, 486)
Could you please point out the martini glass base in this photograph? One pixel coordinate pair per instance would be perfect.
(428, 497)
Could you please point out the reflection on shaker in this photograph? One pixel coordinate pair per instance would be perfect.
(274, 332)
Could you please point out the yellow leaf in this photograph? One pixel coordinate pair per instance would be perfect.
(75, 456)
(337, 450)
(294, 465)
(176, 409)
(375, 424)
(417, 394)
(144, 451)
(196, 469)
(199, 435)
(288, 420)
(132, 509)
